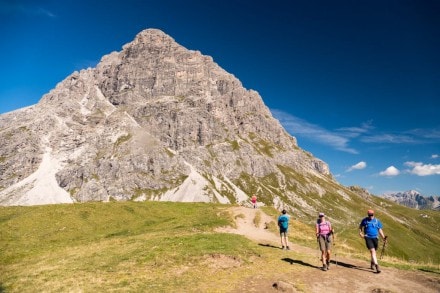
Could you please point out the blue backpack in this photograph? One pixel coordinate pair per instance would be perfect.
(371, 228)
(284, 222)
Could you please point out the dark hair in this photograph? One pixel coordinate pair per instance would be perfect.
(284, 211)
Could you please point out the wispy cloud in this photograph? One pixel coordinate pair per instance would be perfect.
(359, 166)
(341, 138)
(434, 156)
(356, 131)
(421, 169)
(19, 8)
(428, 134)
(44, 12)
(388, 138)
(299, 127)
(390, 171)
(414, 136)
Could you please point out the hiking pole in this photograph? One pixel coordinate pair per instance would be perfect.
(385, 241)
(334, 245)
(319, 250)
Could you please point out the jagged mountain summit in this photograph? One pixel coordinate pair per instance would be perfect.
(155, 121)
(413, 199)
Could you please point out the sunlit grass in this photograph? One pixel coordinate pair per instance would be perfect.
(106, 246)
(147, 247)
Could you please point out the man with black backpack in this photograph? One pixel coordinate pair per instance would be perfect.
(324, 232)
(283, 224)
(369, 229)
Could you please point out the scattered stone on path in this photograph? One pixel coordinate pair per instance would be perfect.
(284, 287)
(379, 290)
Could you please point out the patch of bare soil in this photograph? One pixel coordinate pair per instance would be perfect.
(221, 261)
(345, 275)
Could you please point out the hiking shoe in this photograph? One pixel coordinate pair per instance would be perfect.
(324, 267)
(287, 247)
(372, 265)
(282, 247)
(328, 265)
(378, 269)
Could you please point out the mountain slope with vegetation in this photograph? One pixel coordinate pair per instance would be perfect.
(165, 246)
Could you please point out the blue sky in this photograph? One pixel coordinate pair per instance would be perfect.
(356, 82)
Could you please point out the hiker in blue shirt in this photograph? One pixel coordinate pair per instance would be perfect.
(283, 224)
(369, 229)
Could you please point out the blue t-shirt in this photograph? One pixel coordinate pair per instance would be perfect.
(283, 222)
(371, 227)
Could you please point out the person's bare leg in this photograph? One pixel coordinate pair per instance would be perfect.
(374, 259)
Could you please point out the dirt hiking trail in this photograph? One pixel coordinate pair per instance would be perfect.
(345, 275)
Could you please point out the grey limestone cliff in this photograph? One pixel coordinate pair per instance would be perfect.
(155, 121)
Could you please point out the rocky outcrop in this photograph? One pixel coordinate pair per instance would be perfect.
(361, 191)
(148, 121)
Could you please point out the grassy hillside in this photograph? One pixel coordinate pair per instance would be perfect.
(413, 234)
(164, 246)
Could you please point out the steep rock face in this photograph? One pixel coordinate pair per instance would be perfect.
(150, 119)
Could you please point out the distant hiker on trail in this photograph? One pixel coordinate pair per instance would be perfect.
(283, 223)
(369, 229)
(324, 232)
(254, 201)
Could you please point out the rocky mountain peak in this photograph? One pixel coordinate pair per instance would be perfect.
(155, 121)
(152, 37)
(414, 199)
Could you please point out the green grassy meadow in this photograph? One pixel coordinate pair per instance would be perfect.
(111, 246)
(155, 247)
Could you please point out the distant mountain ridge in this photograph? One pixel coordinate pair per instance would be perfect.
(414, 199)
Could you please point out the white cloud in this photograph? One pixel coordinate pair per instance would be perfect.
(298, 127)
(434, 156)
(421, 169)
(358, 166)
(83, 64)
(390, 171)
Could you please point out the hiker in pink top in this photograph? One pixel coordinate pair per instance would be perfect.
(324, 232)
(254, 201)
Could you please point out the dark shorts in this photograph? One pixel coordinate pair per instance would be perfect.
(371, 243)
(283, 232)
